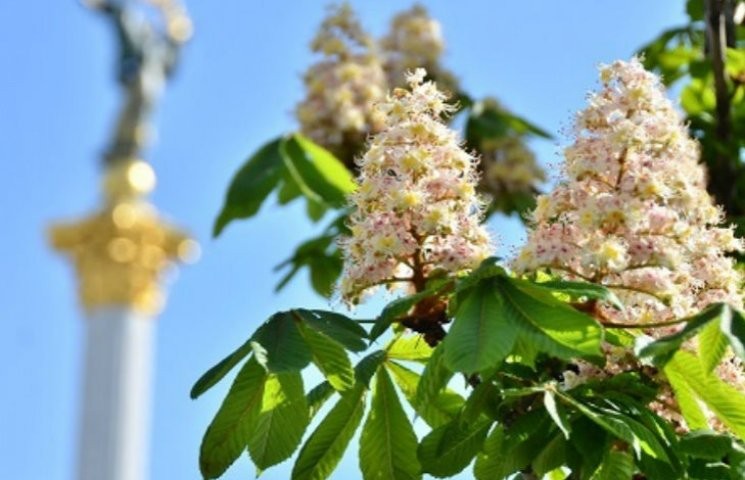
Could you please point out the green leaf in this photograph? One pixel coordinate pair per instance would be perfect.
(321, 256)
(695, 9)
(735, 62)
(712, 346)
(725, 401)
(442, 408)
(705, 444)
(576, 290)
(229, 432)
(434, 379)
(284, 417)
(588, 443)
(289, 190)
(489, 461)
(401, 306)
(409, 347)
(733, 327)
(330, 358)
(551, 325)
(448, 449)
(388, 445)
(556, 413)
(279, 346)
(482, 334)
(611, 424)
(320, 176)
(324, 272)
(366, 368)
(318, 396)
(687, 399)
(487, 269)
(617, 465)
(660, 351)
(326, 445)
(551, 457)
(337, 327)
(216, 373)
(251, 185)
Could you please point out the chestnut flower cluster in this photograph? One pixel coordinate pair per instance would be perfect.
(337, 111)
(415, 40)
(416, 209)
(633, 214)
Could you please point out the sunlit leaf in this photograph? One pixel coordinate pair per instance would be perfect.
(483, 332)
(326, 445)
(330, 358)
(440, 409)
(388, 445)
(229, 432)
(279, 346)
(280, 425)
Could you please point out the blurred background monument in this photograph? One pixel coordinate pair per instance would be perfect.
(121, 249)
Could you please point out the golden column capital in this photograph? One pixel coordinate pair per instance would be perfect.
(120, 252)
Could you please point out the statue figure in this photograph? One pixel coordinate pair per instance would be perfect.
(150, 34)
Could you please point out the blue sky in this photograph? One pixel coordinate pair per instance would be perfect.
(236, 87)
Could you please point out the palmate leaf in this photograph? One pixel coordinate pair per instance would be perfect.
(337, 327)
(409, 347)
(279, 346)
(322, 178)
(251, 185)
(575, 290)
(660, 351)
(330, 358)
(617, 465)
(317, 397)
(229, 432)
(496, 314)
(551, 325)
(442, 408)
(553, 456)
(712, 346)
(482, 334)
(733, 328)
(388, 445)
(692, 385)
(611, 424)
(293, 165)
(216, 373)
(321, 256)
(434, 378)
(729, 322)
(280, 425)
(706, 444)
(449, 448)
(325, 447)
(524, 440)
(489, 463)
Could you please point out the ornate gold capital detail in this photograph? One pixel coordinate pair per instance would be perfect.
(120, 252)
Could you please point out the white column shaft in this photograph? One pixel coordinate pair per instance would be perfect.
(116, 398)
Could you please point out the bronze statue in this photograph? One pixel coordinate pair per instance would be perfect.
(150, 34)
